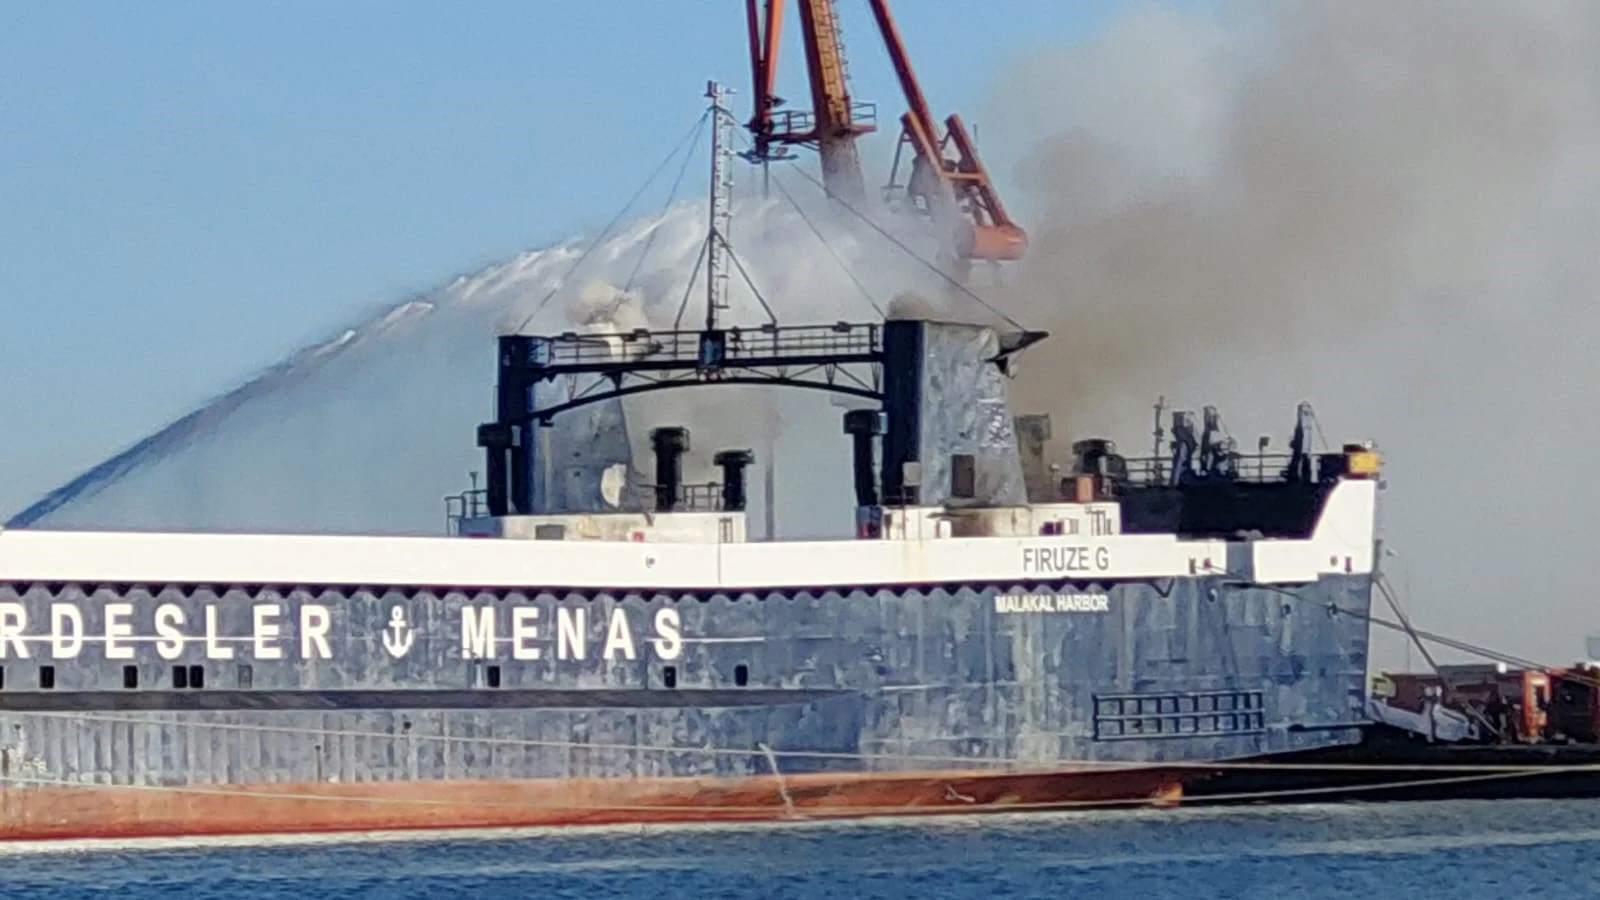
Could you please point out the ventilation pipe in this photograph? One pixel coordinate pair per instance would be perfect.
(670, 444)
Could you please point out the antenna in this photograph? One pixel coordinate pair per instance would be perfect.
(1158, 434)
(721, 204)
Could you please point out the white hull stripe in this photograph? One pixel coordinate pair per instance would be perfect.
(1341, 544)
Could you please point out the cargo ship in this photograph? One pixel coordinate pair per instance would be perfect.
(968, 650)
(999, 631)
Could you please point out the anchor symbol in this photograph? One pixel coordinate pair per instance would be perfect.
(397, 635)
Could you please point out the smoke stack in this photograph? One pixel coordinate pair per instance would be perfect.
(863, 425)
(733, 463)
(670, 443)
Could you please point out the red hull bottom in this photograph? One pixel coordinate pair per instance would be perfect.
(61, 812)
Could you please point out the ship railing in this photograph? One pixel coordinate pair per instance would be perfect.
(1254, 468)
(703, 497)
(800, 125)
(760, 343)
(472, 504)
(1137, 472)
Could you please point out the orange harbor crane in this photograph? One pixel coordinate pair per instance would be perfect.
(947, 181)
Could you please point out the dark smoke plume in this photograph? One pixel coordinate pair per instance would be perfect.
(1385, 207)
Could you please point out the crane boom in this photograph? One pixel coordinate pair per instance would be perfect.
(947, 178)
(949, 186)
(830, 98)
(764, 33)
(833, 121)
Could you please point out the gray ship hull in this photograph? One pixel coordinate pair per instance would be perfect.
(197, 709)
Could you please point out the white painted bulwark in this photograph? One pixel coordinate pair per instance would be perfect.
(677, 527)
(1066, 519)
(1342, 543)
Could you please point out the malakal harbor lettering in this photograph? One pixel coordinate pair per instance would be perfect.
(1052, 603)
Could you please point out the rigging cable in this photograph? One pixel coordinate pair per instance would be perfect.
(561, 282)
(1381, 583)
(688, 288)
(672, 194)
(826, 245)
(705, 254)
(737, 264)
(1435, 638)
(953, 282)
(1418, 633)
(1444, 641)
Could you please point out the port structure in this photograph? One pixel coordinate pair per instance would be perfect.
(834, 120)
(945, 178)
(842, 358)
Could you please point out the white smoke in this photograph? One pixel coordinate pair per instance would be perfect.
(368, 431)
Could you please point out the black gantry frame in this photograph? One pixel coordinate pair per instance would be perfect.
(843, 358)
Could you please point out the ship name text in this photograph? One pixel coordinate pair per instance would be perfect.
(276, 631)
(571, 629)
(1065, 560)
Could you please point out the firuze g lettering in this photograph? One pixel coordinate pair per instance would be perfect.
(1066, 560)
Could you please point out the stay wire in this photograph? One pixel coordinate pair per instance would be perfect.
(1471, 649)
(910, 252)
(1467, 647)
(749, 282)
(1446, 641)
(606, 232)
(688, 288)
(1418, 637)
(1381, 583)
(828, 246)
(672, 195)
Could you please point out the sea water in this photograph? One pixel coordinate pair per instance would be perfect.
(1461, 850)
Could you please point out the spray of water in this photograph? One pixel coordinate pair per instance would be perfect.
(1386, 208)
(368, 431)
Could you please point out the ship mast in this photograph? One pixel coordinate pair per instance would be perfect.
(721, 205)
(842, 358)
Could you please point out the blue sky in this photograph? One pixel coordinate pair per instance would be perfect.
(188, 190)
